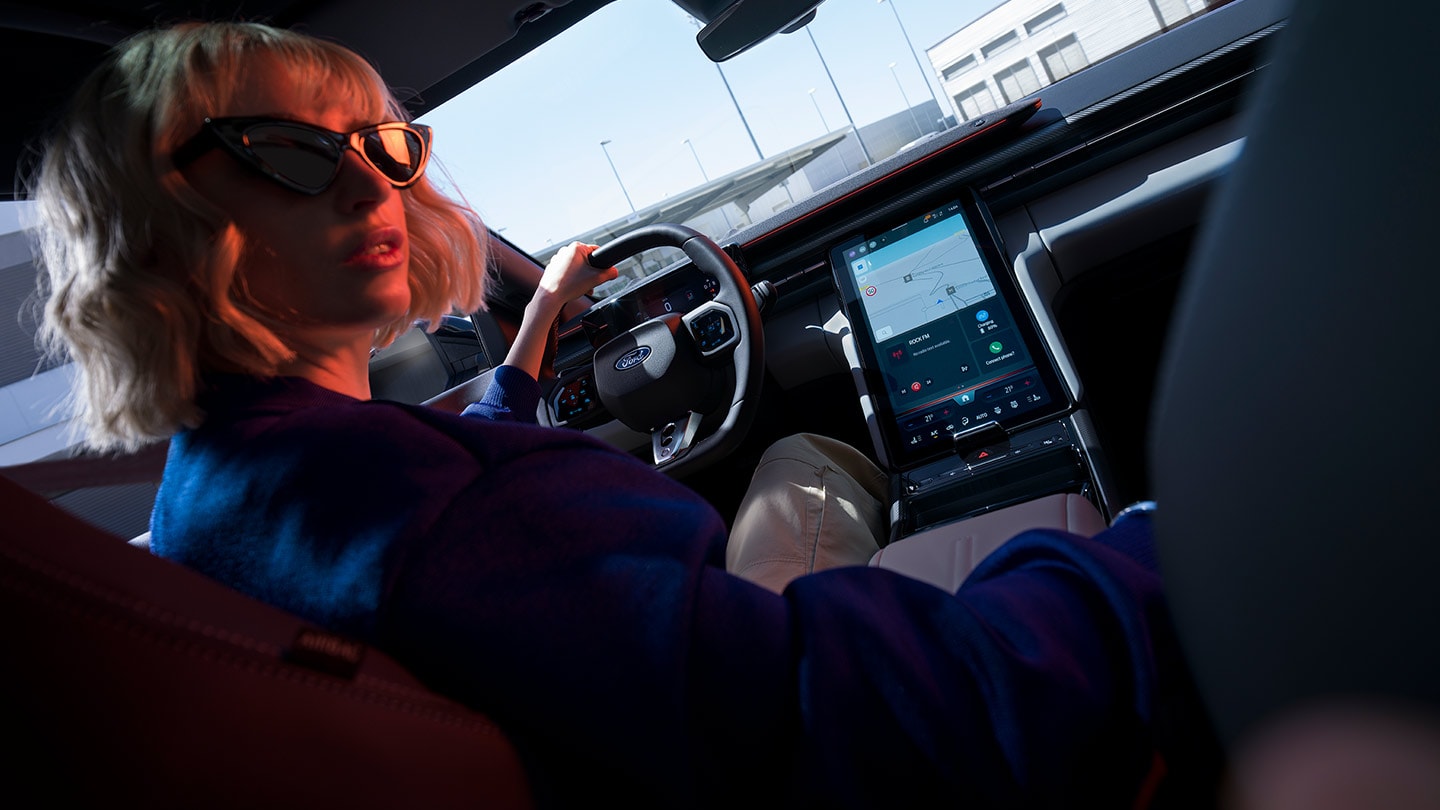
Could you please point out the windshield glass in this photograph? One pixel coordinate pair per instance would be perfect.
(622, 121)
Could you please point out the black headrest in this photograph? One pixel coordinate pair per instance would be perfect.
(1295, 444)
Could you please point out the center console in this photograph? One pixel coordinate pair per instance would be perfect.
(961, 395)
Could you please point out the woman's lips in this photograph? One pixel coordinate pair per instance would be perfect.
(381, 249)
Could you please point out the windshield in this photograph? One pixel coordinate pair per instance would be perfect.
(621, 121)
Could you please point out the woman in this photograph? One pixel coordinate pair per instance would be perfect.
(270, 224)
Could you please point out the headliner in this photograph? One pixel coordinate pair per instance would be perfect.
(447, 46)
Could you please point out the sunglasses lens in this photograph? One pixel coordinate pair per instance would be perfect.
(397, 153)
(302, 156)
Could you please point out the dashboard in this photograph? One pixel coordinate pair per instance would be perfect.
(1087, 217)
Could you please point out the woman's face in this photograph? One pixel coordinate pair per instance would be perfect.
(330, 268)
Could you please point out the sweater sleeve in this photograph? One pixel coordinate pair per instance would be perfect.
(600, 608)
(558, 594)
(1052, 674)
(513, 396)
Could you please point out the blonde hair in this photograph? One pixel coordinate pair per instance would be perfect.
(140, 273)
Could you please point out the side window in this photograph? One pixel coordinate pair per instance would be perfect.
(32, 386)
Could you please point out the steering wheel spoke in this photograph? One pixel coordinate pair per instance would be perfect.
(671, 442)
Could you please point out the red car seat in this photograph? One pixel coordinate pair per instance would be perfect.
(131, 681)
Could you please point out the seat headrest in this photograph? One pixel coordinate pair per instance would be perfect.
(1294, 441)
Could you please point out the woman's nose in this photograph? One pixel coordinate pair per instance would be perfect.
(359, 185)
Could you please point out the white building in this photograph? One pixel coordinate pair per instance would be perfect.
(1023, 45)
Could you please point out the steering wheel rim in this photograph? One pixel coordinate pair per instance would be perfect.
(734, 304)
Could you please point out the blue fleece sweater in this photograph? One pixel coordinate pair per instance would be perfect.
(579, 598)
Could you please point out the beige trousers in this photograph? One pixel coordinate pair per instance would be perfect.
(813, 503)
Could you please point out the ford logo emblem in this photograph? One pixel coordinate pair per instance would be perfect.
(632, 358)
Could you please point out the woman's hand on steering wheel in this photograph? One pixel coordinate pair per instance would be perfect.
(567, 276)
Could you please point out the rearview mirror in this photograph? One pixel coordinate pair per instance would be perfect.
(747, 23)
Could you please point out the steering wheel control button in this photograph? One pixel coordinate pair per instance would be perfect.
(713, 330)
(713, 327)
(574, 399)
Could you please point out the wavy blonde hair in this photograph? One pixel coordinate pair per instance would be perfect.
(140, 273)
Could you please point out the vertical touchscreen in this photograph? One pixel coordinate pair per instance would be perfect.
(938, 334)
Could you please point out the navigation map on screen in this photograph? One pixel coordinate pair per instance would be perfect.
(937, 272)
(944, 351)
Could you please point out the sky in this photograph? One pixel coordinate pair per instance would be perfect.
(524, 146)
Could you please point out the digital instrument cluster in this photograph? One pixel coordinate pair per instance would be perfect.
(677, 291)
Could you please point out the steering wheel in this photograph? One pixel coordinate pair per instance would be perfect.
(691, 381)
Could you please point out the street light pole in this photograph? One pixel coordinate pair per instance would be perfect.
(603, 144)
(906, 99)
(697, 160)
(823, 122)
(923, 72)
(758, 154)
(740, 112)
(728, 226)
(836, 88)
